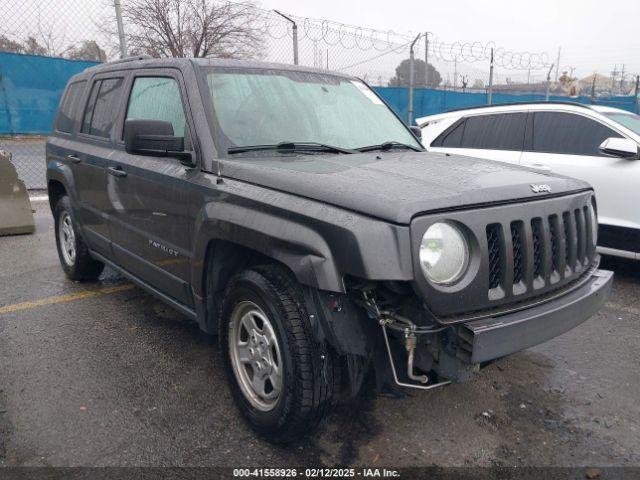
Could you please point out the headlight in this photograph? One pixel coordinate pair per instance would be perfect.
(594, 224)
(444, 254)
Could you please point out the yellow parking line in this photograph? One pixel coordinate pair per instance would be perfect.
(64, 298)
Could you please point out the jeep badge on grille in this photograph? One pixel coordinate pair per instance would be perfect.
(540, 188)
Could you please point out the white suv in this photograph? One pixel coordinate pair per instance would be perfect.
(593, 143)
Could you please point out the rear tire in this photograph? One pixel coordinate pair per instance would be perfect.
(300, 368)
(72, 250)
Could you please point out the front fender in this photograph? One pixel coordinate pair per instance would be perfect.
(319, 243)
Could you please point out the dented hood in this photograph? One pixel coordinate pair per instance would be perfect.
(396, 186)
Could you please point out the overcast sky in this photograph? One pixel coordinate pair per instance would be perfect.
(594, 35)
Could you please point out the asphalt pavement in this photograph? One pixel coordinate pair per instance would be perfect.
(102, 374)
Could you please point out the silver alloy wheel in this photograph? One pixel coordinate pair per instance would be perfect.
(67, 238)
(255, 355)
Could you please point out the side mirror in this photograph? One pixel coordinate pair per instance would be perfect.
(620, 147)
(417, 131)
(154, 138)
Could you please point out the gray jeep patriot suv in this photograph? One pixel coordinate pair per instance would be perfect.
(291, 212)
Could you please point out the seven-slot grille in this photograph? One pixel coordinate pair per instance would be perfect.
(525, 256)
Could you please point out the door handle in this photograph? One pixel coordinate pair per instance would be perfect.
(74, 158)
(116, 172)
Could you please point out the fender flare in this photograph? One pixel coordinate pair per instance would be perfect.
(61, 173)
(306, 254)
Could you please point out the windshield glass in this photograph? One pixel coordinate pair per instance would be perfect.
(270, 106)
(629, 120)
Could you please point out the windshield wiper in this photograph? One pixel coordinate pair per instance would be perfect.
(291, 147)
(388, 146)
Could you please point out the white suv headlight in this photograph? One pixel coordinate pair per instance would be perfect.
(444, 253)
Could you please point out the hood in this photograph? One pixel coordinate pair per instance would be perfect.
(396, 186)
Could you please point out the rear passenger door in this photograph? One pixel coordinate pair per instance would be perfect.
(150, 198)
(93, 146)
(493, 137)
(568, 144)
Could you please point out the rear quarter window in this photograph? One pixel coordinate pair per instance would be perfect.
(503, 131)
(69, 110)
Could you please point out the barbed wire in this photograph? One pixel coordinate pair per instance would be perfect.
(351, 37)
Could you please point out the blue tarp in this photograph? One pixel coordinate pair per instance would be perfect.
(30, 89)
(31, 86)
(428, 101)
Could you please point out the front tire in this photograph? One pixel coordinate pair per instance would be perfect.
(281, 377)
(72, 250)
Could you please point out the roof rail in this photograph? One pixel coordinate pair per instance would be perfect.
(538, 102)
(122, 60)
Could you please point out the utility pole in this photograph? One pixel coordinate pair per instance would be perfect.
(294, 27)
(546, 97)
(614, 74)
(121, 37)
(426, 59)
(490, 93)
(593, 88)
(411, 67)
(558, 64)
(622, 80)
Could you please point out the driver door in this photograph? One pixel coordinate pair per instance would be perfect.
(150, 197)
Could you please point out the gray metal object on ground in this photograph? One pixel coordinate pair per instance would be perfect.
(16, 216)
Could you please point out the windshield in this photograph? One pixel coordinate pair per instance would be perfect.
(270, 106)
(629, 120)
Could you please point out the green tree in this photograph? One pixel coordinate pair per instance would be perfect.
(401, 78)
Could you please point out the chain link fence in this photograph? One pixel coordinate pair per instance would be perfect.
(86, 31)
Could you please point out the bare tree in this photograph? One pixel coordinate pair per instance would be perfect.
(33, 47)
(8, 45)
(192, 28)
(86, 50)
(46, 39)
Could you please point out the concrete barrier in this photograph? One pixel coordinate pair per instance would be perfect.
(16, 216)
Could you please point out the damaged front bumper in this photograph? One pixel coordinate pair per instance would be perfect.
(495, 337)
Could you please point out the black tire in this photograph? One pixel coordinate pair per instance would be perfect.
(82, 266)
(308, 367)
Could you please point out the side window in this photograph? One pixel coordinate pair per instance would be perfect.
(451, 137)
(495, 132)
(100, 113)
(568, 133)
(68, 112)
(157, 98)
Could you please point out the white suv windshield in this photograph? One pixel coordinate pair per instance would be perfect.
(270, 106)
(629, 120)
